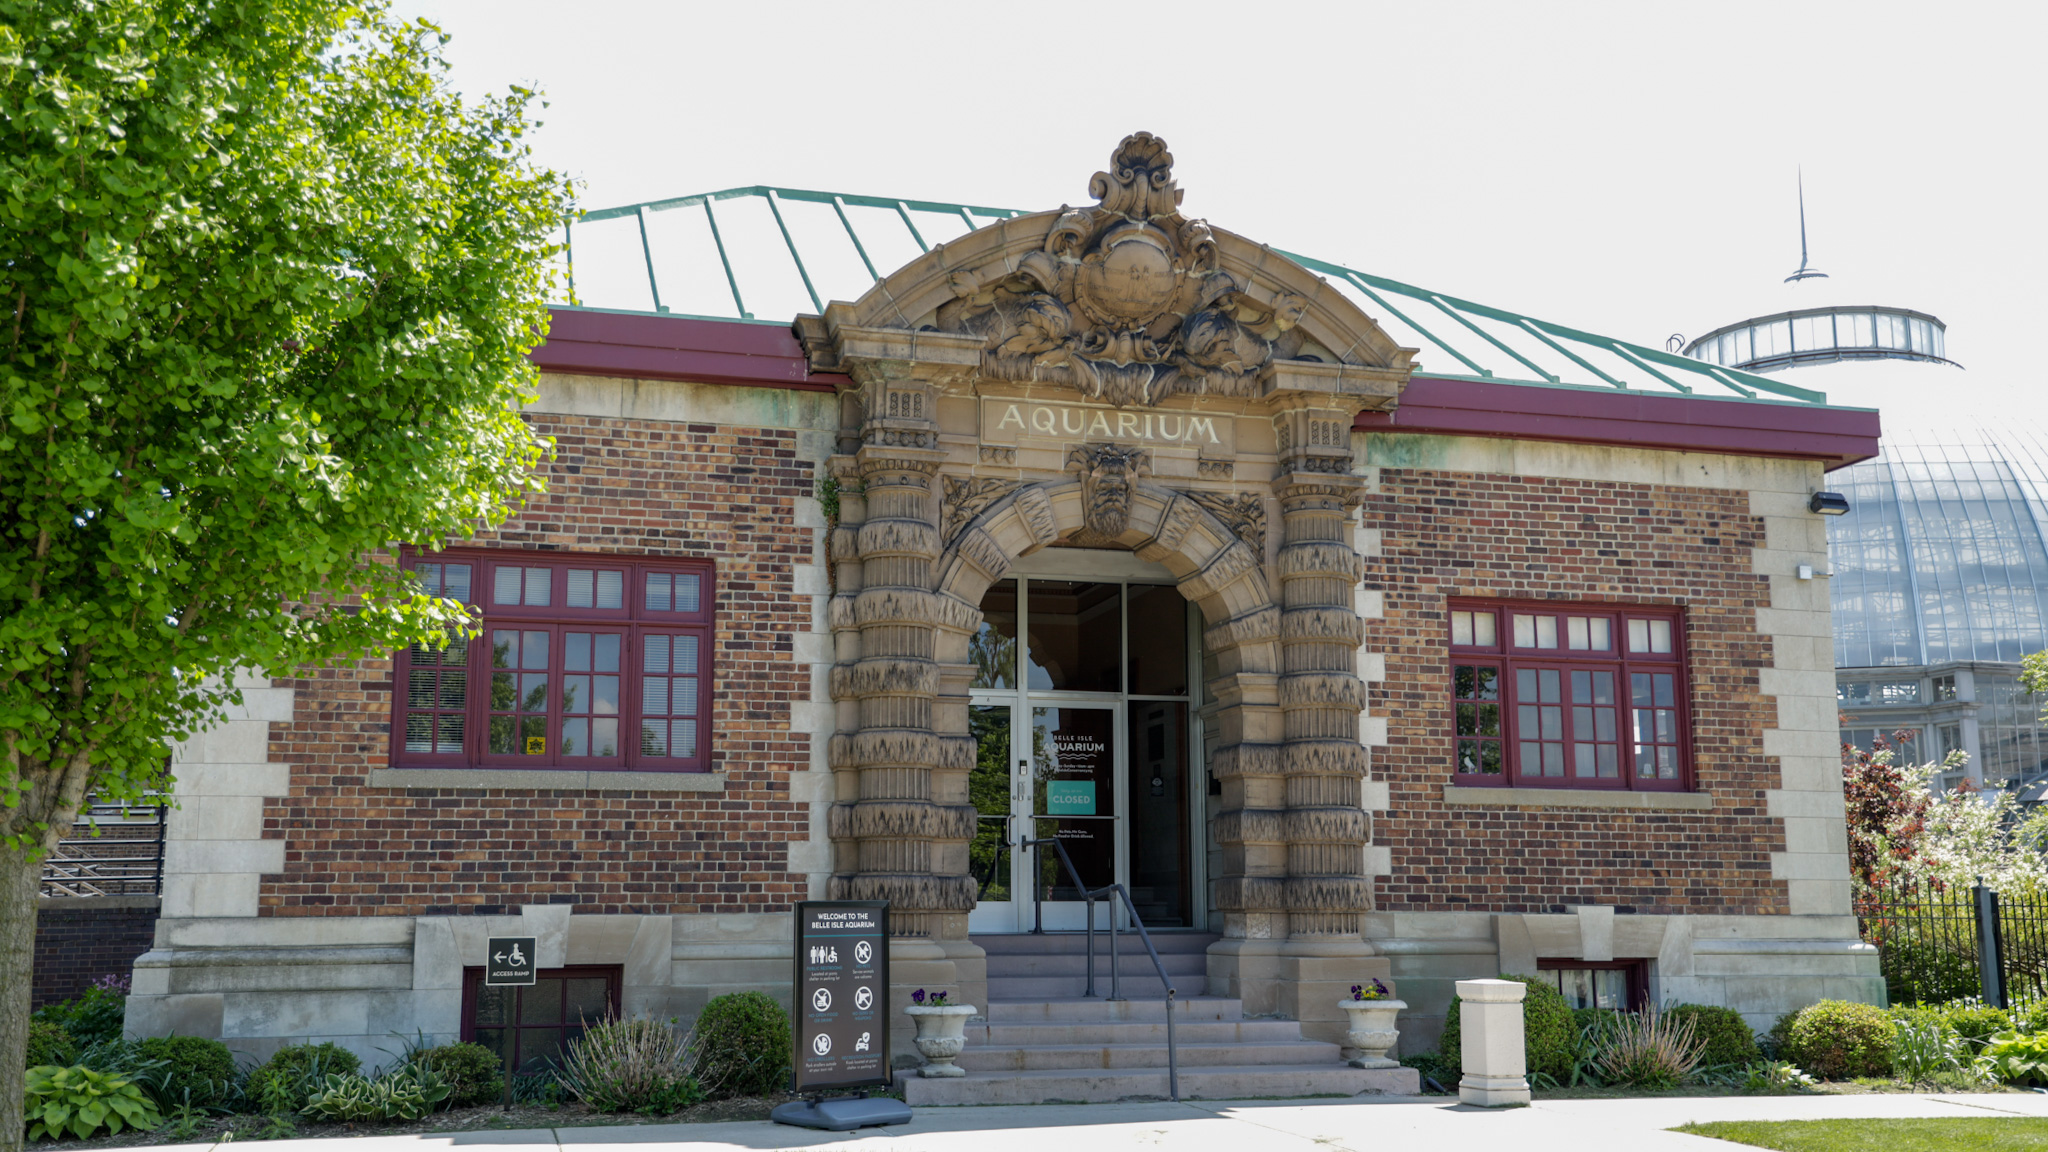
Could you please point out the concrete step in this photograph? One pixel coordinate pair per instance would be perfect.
(1024, 943)
(1074, 1010)
(1076, 964)
(1227, 1082)
(1132, 1032)
(1146, 986)
(1113, 1057)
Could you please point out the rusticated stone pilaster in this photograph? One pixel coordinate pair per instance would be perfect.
(901, 838)
(1324, 825)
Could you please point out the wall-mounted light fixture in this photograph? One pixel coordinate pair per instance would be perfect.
(1828, 503)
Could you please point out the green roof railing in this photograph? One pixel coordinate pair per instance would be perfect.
(1579, 355)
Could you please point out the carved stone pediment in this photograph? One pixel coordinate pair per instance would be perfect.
(1126, 301)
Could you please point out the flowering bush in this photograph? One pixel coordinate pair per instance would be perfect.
(1377, 991)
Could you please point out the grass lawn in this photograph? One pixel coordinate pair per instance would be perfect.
(1947, 1134)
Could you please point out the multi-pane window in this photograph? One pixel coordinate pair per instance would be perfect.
(1579, 696)
(583, 662)
(532, 1027)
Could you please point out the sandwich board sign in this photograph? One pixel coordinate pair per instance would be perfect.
(509, 961)
(841, 995)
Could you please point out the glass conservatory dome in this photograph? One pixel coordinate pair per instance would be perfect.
(1943, 555)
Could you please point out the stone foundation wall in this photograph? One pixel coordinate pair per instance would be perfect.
(1761, 966)
(365, 981)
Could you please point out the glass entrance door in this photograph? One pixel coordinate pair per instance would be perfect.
(1081, 712)
(1076, 798)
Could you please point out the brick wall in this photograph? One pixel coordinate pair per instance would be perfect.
(1463, 534)
(645, 488)
(80, 941)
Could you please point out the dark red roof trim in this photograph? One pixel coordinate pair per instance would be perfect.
(1433, 406)
(654, 347)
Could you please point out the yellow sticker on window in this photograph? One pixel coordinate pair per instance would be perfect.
(536, 745)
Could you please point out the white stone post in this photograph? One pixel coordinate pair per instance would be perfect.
(1490, 1043)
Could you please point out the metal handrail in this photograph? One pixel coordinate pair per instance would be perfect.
(1115, 968)
(121, 864)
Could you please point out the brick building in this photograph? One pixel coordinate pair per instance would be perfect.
(1100, 524)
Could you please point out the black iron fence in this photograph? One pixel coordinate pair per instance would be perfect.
(1945, 942)
(115, 849)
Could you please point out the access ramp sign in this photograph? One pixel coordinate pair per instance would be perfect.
(509, 961)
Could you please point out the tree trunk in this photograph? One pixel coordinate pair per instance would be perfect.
(20, 879)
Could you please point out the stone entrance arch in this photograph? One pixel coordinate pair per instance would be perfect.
(1115, 376)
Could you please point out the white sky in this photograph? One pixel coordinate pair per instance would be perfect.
(1623, 168)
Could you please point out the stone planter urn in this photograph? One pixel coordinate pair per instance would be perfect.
(941, 1035)
(1373, 1033)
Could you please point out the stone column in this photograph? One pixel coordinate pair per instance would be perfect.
(900, 829)
(1490, 1043)
(1323, 762)
(893, 829)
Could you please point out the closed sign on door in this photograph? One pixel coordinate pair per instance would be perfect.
(1070, 798)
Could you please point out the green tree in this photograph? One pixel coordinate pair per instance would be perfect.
(2034, 678)
(266, 290)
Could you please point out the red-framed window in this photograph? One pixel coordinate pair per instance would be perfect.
(531, 1027)
(585, 662)
(1568, 695)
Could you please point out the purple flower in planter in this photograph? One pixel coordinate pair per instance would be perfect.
(917, 997)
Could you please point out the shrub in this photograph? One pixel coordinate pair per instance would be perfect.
(286, 1081)
(1434, 1067)
(93, 1018)
(1920, 972)
(2030, 1017)
(1975, 1021)
(1836, 1040)
(1773, 1042)
(1724, 1035)
(78, 1102)
(408, 1093)
(1649, 1049)
(474, 1073)
(2018, 1059)
(1550, 1032)
(743, 1046)
(632, 1066)
(50, 1044)
(198, 1071)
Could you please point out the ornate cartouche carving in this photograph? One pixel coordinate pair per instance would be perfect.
(1244, 513)
(1108, 473)
(966, 498)
(1126, 301)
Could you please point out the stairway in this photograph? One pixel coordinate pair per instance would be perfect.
(1042, 1042)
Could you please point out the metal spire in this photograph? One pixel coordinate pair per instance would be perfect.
(1804, 272)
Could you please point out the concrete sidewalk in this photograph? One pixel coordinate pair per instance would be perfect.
(1392, 1124)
